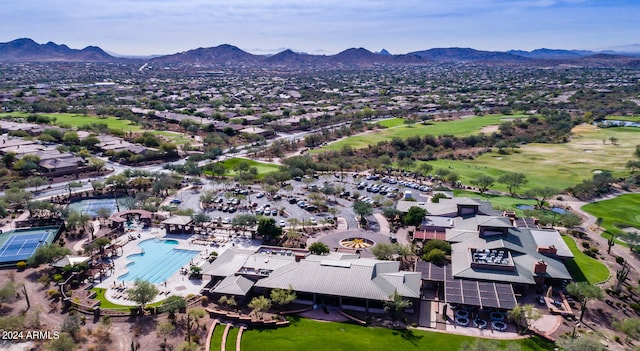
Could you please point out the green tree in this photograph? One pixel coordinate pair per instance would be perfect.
(414, 216)
(383, 251)
(584, 292)
(583, 343)
(259, 304)
(541, 194)
(97, 164)
(437, 244)
(26, 164)
(435, 256)
(483, 182)
(201, 217)
(396, 305)
(72, 324)
(48, 253)
(524, 315)
(227, 301)
(63, 343)
(629, 326)
(513, 181)
(282, 297)
(267, 228)
(244, 221)
(362, 209)
(37, 182)
(142, 292)
(424, 169)
(8, 292)
(172, 304)
(319, 248)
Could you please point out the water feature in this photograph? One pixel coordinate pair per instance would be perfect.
(617, 123)
(524, 207)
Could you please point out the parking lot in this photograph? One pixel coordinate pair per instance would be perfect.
(309, 201)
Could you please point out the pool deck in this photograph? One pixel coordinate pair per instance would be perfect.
(176, 284)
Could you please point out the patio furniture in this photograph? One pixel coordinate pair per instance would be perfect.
(463, 321)
(480, 323)
(499, 326)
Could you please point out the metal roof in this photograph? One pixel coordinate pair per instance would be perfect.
(548, 238)
(233, 285)
(363, 278)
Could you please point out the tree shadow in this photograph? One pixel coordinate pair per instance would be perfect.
(409, 335)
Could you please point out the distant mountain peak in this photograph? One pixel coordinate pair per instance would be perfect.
(25, 49)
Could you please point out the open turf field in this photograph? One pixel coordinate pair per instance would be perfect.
(396, 128)
(309, 335)
(263, 168)
(77, 121)
(618, 213)
(582, 267)
(555, 165)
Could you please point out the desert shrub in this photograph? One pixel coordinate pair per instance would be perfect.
(21, 265)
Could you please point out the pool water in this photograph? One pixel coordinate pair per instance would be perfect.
(158, 261)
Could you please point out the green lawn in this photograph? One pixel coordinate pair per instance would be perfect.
(555, 165)
(617, 213)
(498, 202)
(104, 303)
(216, 338)
(391, 122)
(77, 120)
(174, 137)
(582, 267)
(263, 168)
(309, 335)
(231, 339)
(461, 127)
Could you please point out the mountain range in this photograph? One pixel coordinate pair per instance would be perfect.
(27, 50)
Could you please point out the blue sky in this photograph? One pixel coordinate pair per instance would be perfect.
(144, 27)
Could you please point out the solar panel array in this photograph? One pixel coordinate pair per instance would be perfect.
(469, 292)
(477, 293)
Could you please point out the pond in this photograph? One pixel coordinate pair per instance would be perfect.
(616, 123)
(524, 207)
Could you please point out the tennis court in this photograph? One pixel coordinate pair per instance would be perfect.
(19, 245)
(91, 207)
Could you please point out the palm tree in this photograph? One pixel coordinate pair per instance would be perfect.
(396, 305)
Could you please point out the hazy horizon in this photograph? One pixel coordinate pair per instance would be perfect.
(160, 27)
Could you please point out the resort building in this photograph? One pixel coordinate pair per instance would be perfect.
(493, 257)
(338, 279)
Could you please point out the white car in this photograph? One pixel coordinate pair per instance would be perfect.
(282, 224)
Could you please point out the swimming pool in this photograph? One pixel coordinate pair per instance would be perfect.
(158, 261)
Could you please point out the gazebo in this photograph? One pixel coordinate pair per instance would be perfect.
(119, 219)
(178, 225)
